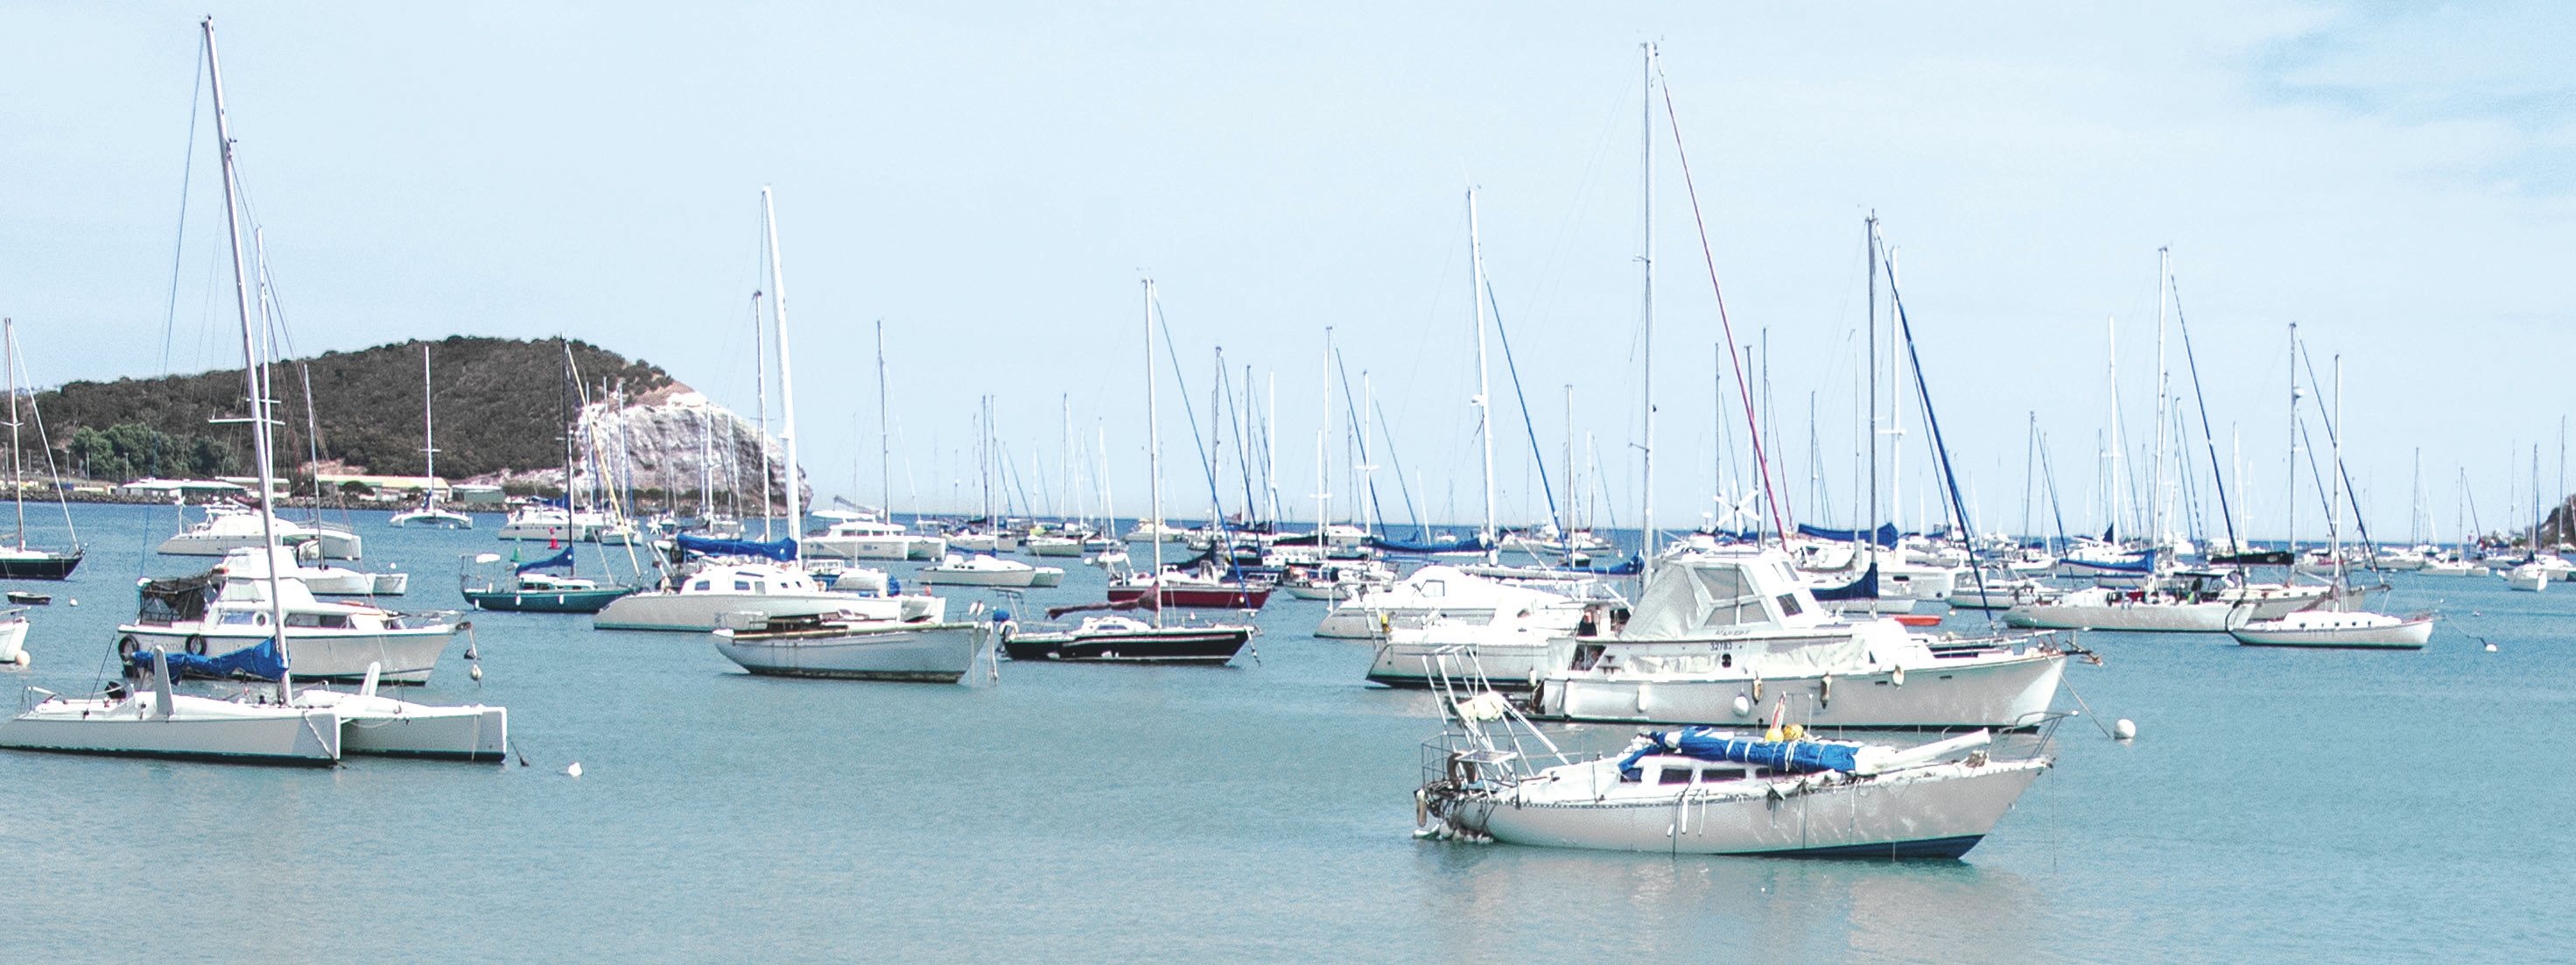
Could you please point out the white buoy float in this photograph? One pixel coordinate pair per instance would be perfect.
(574, 770)
(2125, 729)
(71, 602)
(475, 671)
(1743, 706)
(2491, 648)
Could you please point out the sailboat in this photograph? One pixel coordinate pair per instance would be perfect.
(289, 728)
(1118, 639)
(18, 561)
(429, 514)
(2326, 623)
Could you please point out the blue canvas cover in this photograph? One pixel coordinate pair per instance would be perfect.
(1470, 544)
(563, 560)
(261, 662)
(1865, 588)
(1710, 744)
(783, 550)
(1884, 537)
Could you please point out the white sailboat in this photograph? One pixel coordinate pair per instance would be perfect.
(2327, 624)
(429, 514)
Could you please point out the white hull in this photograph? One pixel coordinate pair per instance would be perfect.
(1936, 811)
(2003, 692)
(433, 519)
(1370, 623)
(1034, 576)
(1052, 546)
(2136, 617)
(400, 728)
(875, 547)
(1507, 659)
(2325, 630)
(701, 612)
(406, 656)
(13, 640)
(196, 727)
(930, 653)
(2526, 582)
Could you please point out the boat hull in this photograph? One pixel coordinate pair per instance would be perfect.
(404, 656)
(923, 653)
(1901, 816)
(1170, 645)
(1198, 597)
(45, 567)
(201, 729)
(549, 601)
(2000, 692)
(702, 612)
(2409, 635)
(395, 728)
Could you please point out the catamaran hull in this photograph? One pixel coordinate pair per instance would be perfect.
(939, 653)
(405, 656)
(2002, 692)
(470, 733)
(1922, 817)
(130, 729)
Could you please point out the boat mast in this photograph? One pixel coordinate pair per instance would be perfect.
(1870, 331)
(1646, 365)
(1484, 402)
(1323, 452)
(2156, 487)
(2334, 504)
(2293, 519)
(786, 383)
(17, 487)
(261, 446)
(428, 433)
(1153, 457)
(885, 446)
(760, 396)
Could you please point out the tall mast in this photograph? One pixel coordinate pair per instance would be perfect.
(1871, 224)
(786, 380)
(1484, 402)
(760, 395)
(2156, 488)
(1153, 456)
(17, 487)
(428, 431)
(1646, 266)
(1323, 452)
(261, 446)
(2292, 520)
(2334, 503)
(2112, 477)
(885, 448)
(1368, 461)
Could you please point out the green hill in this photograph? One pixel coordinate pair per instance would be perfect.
(498, 404)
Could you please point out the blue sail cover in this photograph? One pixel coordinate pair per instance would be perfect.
(1885, 536)
(1709, 744)
(1865, 588)
(261, 662)
(563, 559)
(783, 550)
(1471, 544)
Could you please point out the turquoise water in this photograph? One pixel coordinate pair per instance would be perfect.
(2277, 804)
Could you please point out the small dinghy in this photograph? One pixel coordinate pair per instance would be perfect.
(25, 598)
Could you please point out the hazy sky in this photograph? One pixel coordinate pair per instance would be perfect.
(992, 181)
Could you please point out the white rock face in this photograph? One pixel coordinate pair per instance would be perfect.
(678, 441)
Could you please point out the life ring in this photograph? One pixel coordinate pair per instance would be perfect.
(127, 646)
(196, 645)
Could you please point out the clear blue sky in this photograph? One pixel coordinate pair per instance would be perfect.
(991, 179)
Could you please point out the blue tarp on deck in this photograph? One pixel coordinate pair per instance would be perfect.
(563, 559)
(783, 550)
(1708, 744)
(261, 662)
(1885, 536)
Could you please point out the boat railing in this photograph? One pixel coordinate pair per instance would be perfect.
(25, 703)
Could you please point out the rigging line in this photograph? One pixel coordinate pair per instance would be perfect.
(1350, 405)
(2191, 362)
(179, 245)
(1191, 410)
(1553, 517)
(2351, 494)
(1411, 508)
(1932, 421)
(1708, 255)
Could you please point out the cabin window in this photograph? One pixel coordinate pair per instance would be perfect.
(742, 586)
(1674, 775)
(1789, 605)
(1435, 588)
(1713, 774)
(1586, 655)
(239, 619)
(701, 585)
(333, 621)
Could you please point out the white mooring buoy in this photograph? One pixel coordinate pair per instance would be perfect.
(574, 770)
(475, 671)
(2125, 729)
(2491, 648)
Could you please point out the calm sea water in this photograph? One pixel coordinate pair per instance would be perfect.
(2278, 804)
